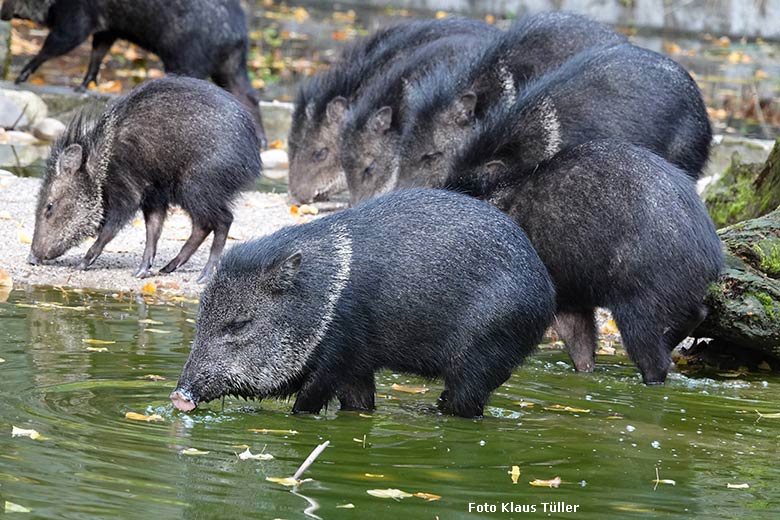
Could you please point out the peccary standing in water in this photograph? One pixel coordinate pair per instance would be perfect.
(617, 227)
(426, 282)
(371, 132)
(619, 91)
(198, 38)
(173, 140)
(321, 104)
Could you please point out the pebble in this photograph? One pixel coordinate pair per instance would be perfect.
(49, 129)
(275, 160)
(11, 114)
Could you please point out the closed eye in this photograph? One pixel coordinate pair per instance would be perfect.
(237, 326)
(430, 157)
(368, 170)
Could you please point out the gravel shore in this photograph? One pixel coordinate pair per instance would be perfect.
(256, 214)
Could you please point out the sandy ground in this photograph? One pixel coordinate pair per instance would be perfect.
(256, 214)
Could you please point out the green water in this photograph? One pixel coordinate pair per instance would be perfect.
(95, 463)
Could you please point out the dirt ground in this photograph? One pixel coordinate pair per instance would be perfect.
(256, 214)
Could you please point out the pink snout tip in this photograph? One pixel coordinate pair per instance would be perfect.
(182, 401)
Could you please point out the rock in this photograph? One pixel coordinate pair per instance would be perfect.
(6, 173)
(33, 106)
(275, 160)
(11, 115)
(49, 129)
(16, 137)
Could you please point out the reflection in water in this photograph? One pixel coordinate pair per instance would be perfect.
(702, 433)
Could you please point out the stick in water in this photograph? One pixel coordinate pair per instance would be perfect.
(310, 459)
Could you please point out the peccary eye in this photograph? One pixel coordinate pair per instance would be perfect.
(320, 155)
(49, 208)
(430, 157)
(368, 170)
(237, 326)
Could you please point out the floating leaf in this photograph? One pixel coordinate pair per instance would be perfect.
(141, 417)
(280, 432)
(395, 494)
(345, 506)
(659, 480)
(409, 389)
(737, 486)
(150, 322)
(149, 288)
(515, 474)
(430, 497)
(96, 349)
(286, 481)
(157, 331)
(248, 455)
(524, 404)
(192, 451)
(98, 342)
(2, 360)
(552, 483)
(373, 475)
(21, 432)
(558, 407)
(775, 415)
(10, 507)
(153, 377)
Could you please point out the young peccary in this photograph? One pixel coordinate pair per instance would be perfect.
(371, 132)
(173, 140)
(198, 38)
(621, 91)
(425, 282)
(321, 104)
(617, 227)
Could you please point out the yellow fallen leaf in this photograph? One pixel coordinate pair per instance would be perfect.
(409, 389)
(10, 507)
(286, 481)
(153, 377)
(737, 486)
(430, 497)
(157, 331)
(149, 288)
(515, 474)
(558, 407)
(90, 341)
(248, 455)
(294, 210)
(395, 494)
(552, 483)
(96, 349)
(21, 432)
(265, 430)
(5, 215)
(300, 14)
(373, 475)
(24, 238)
(345, 506)
(113, 86)
(610, 327)
(192, 451)
(441, 14)
(276, 144)
(5, 279)
(524, 404)
(150, 322)
(490, 19)
(141, 417)
(308, 209)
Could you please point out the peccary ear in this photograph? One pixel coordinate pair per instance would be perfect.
(464, 108)
(380, 121)
(281, 274)
(337, 109)
(70, 160)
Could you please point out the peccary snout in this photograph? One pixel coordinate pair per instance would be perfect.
(182, 399)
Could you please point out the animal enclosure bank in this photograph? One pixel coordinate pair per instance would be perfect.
(426, 260)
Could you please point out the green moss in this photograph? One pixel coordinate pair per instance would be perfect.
(769, 257)
(769, 305)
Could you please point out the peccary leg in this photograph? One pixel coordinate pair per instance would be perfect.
(677, 333)
(60, 40)
(233, 77)
(312, 397)
(154, 218)
(358, 393)
(217, 246)
(644, 341)
(198, 235)
(577, 329)
(106, 235)
(101, 44)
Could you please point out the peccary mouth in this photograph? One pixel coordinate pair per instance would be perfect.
(183, 400)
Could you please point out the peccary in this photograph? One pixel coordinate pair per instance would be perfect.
(419, 281)
(618, 91)
(321, 104)
(371, 132)
(617, 227)
(198, 38)
(173, 140)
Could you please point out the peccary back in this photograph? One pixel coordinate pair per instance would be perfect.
(421, 281)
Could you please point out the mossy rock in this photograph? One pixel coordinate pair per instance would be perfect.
(745, 191)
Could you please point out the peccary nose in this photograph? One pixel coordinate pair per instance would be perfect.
(32, 259)
(182, 400)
